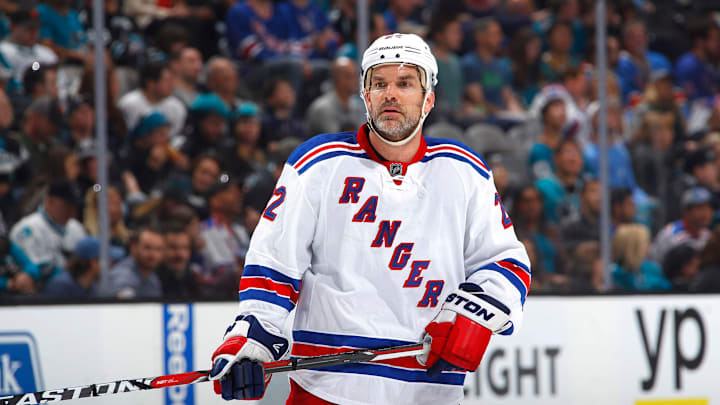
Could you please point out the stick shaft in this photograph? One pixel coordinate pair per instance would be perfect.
(356, 356)
(139, 384)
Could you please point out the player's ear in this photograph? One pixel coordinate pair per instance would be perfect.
(430, 103)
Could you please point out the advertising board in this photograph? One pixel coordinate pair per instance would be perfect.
(639, 350)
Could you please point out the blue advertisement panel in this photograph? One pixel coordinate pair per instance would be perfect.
(178, 342)
(19, 365)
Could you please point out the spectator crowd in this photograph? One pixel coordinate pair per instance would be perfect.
(207, 99)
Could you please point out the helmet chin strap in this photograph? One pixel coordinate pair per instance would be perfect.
(401, 141)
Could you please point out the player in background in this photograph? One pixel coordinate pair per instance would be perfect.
(378, 238)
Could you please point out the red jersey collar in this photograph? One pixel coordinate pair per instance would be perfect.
(392, 166)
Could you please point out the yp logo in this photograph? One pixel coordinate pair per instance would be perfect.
(19, 364)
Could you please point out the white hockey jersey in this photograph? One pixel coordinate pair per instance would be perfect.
(44, 242)
(366, 251)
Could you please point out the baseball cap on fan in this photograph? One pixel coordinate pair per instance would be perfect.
(661, 74)
(88, 248)
(246, 110)
(66, 190)
(698, 158)
(223, 183)
(148, 124)
(25, 18)
(696, 196)
(209, 103)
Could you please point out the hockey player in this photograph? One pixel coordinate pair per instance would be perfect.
(378, 238)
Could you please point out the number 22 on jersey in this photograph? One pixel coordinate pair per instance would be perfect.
(269, 212)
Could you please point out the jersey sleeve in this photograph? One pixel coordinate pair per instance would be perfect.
(494, 258)
(279, 254)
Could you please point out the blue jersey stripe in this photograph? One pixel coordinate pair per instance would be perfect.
(440, 141)
(330, 155)
(312, 143)
(381, 370)
(266, 296)
(254, 270)
(328, 339)
(459, 157)
(517, 263)
(515, 280)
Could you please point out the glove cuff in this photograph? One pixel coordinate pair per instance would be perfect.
(273, 346)
(479, 308)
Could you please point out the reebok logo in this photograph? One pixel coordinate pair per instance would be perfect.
(178, 352)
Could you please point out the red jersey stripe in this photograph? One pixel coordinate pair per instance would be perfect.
(262, 283)
(460, 151)
(523, 275)
(307, 350)
(321, 149)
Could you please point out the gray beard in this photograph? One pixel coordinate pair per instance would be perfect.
(394, 131)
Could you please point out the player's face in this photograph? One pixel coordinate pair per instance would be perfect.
(395, 100)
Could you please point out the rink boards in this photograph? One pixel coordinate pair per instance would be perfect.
(640, 350)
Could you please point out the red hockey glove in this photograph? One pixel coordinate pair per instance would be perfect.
(459, 334)
(237, 372)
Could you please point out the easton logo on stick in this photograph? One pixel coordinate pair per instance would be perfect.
(174, 380)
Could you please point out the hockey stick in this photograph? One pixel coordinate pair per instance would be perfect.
(139, 384)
